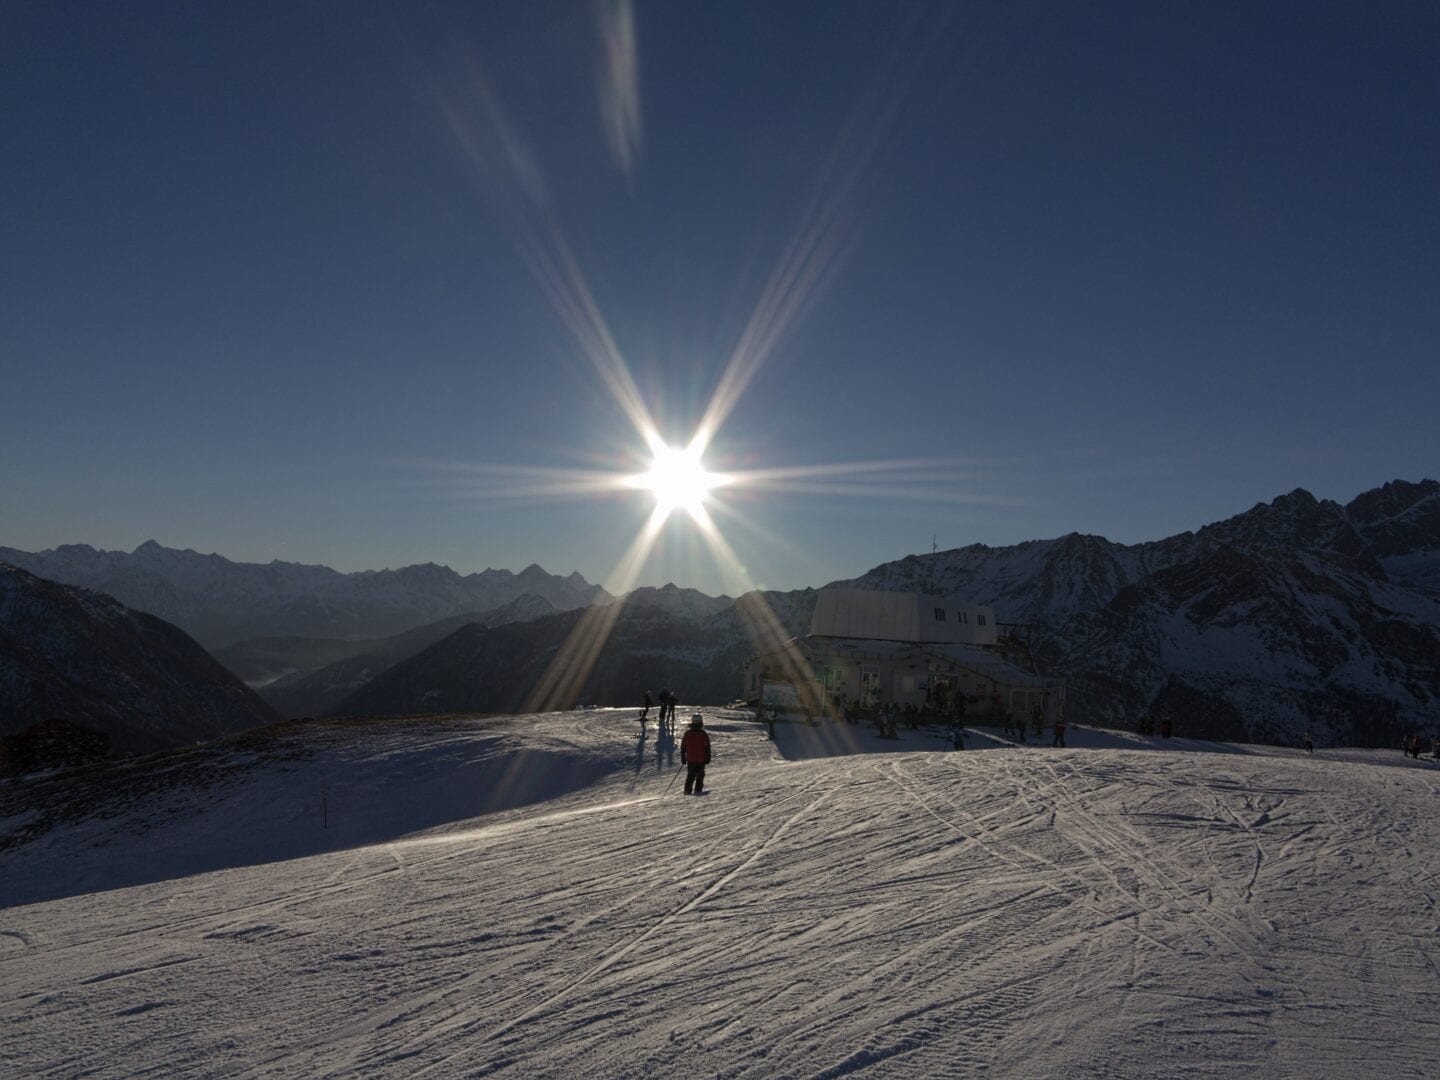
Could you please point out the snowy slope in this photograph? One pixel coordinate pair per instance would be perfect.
(829, 909)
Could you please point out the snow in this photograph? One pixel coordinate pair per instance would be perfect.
(529, 897)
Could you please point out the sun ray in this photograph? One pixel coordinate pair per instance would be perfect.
(765, 629)
(485, 481)
(565, 676)
(500, 154)
(676, 478)
(824, 230)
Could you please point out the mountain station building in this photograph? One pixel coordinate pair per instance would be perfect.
(871, 648)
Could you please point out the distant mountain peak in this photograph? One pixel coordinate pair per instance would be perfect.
(1299, 499)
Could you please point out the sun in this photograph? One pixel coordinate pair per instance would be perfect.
(678, 480)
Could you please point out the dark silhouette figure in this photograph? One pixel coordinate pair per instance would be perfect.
(695, 755)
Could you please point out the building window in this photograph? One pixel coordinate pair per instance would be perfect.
(939, 614)
(960, 616)
(869, 688)
(980, 619)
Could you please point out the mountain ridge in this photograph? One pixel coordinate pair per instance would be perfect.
(77, 655)
(221, 602)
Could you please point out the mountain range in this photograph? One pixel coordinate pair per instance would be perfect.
(1298, 614)
(219, 602)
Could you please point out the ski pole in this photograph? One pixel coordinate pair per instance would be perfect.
(672, 781)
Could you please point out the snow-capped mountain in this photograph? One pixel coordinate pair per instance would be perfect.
(221, 602)
(72, 654)
(682, 603)
(1297, 613)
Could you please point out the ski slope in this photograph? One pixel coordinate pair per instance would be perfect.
(523, 897)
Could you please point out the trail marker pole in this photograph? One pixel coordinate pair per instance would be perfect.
(324, 803)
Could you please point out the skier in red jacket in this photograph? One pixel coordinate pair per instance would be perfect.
(695, 755)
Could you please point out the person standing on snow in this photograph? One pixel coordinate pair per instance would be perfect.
(1059, 739)
(695, 755)
(645, 709)
(1309, 744)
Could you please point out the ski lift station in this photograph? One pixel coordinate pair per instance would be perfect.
(871, 648)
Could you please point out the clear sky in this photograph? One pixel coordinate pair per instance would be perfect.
(330, 282)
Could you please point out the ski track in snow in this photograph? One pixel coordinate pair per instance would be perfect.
(1016, 912)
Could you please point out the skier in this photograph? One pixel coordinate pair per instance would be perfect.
(957, 735)
(1059, 739)
(1309, 744)
(645, 709)
(695, 755)
(770, 721)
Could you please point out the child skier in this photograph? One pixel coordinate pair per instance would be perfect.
(695, 755)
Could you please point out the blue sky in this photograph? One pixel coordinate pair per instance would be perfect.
(269, 285)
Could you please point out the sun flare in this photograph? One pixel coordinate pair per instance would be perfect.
(678, 480)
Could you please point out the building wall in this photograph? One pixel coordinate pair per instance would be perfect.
(873, 615)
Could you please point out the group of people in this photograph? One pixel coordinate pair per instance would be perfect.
(1147, 726)
(694, 745)
(665, 719)
(887, 719)
(1413, 746)
(1015, 726)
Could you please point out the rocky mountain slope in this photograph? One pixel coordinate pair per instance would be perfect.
(72, 654)
(310, 693)
(1299, 613)
(646, 647)
(221, 602)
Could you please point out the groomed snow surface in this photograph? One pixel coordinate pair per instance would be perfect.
(530, 896)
